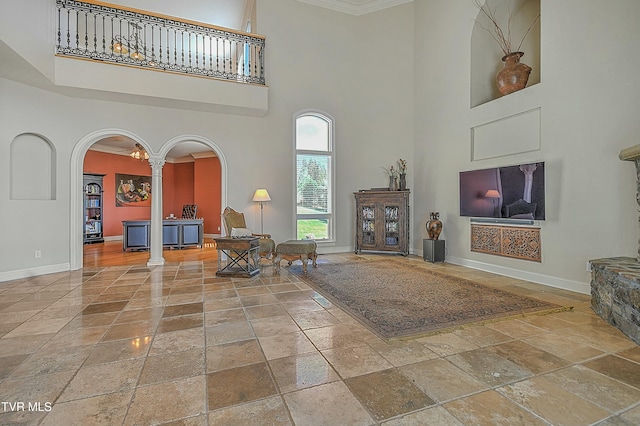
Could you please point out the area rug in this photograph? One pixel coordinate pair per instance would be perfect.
(399, 300)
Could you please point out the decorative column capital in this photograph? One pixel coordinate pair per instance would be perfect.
(156, 163)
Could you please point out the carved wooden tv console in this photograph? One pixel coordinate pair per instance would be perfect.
(509, 241)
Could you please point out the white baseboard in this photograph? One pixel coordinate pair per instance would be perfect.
(333, 249)
(34, 272)
(548, 280)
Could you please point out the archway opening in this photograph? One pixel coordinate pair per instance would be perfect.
(107, 152)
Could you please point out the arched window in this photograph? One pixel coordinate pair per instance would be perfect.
(314, 144)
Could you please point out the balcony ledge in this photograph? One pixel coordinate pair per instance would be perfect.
(97, 80)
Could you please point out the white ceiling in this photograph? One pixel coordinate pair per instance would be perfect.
(356, 7)
(183, 152)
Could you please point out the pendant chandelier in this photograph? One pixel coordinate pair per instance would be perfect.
(139, 153)
(133, 45)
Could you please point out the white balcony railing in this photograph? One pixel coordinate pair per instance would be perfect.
(119, 35)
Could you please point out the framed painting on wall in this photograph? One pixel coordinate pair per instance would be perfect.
(133, 190)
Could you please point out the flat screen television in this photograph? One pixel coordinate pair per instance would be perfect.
(511, 192)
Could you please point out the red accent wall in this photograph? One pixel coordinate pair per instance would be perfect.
(182, 184)
(208, 192)
(168, 177)
(179, 185)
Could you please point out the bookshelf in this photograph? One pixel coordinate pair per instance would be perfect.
(93, 208)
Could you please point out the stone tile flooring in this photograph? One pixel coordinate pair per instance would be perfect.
(177, 345)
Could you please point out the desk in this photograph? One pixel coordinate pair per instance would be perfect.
(242, 256)
(176, 233)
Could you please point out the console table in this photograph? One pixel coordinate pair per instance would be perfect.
(242, 256)
(176, 233)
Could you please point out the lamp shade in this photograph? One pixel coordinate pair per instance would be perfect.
(261, 195)
(492, 193)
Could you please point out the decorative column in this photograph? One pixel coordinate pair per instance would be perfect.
(633, 154)
(528, 170)
(156, 212)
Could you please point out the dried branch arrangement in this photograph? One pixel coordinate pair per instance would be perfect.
(503, 38)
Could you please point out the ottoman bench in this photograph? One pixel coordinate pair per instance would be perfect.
(296, 249)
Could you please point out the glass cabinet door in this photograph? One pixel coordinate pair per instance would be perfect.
(368, 225)
(391, 225)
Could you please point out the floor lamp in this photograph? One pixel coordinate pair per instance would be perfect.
(261, 196)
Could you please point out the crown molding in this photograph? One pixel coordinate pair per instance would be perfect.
(356, 7)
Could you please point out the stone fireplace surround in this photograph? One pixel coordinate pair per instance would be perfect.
(615, 282)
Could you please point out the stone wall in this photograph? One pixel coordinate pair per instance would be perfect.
(615, 293)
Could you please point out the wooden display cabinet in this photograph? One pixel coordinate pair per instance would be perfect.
(93, 208)
(382, 221)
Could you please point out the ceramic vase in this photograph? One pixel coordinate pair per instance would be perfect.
(514, 76)
(434, 226)
(403, 181)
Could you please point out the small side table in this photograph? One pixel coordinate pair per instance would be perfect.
(242, 256)
(433, 250)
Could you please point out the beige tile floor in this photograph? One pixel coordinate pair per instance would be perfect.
(177, 345)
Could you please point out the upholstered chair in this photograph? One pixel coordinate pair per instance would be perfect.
(235, 225)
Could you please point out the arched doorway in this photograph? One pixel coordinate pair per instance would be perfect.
(77, 162)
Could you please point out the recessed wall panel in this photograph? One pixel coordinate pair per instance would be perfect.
(511, 135)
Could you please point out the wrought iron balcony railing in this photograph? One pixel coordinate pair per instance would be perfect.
(120, 35)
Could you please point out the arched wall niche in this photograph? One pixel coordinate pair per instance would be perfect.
(33, 159)
(486, 56)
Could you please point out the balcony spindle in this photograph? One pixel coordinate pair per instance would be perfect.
(153, 52)
(95, 32)
(59, 33)
(210, 54)
(77, 32)
(175, 48)
(68, 29)
(104, 39)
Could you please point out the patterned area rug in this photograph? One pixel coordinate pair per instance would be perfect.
(397, 299)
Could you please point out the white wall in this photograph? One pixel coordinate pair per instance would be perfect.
(589, 112)
(350, 67)
(357, 69)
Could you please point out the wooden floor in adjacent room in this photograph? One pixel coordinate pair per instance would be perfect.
(110, 253)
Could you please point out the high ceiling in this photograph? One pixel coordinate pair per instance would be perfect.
(356, 7)
(228, 13)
